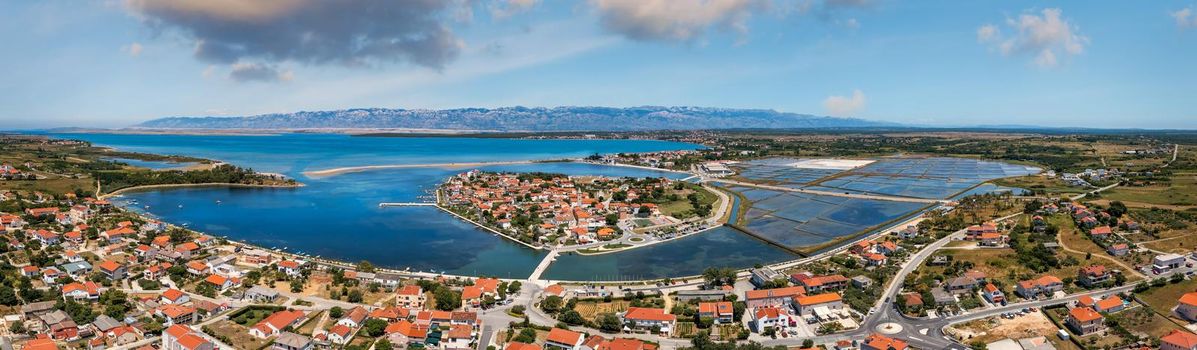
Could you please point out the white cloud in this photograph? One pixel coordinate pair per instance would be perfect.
(674, 20)
(1185, 18)
(1045, 36)
(133, 49)
(988, 33)
(507, 8)
(843, 106)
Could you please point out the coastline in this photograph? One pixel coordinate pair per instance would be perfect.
(206, 184)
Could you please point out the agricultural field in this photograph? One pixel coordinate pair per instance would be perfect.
(591, 309)
(1051, 186)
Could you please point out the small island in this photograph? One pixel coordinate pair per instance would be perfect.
(589, 214)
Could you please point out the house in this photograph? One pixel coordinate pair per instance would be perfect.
(289, 267)
(960, 285)
(772, 297)
(764, 276)
(1119, 249)
(649, 318)
(176, 314)
(113, 270)
(861, 281)
(721, 312)
(1178, 340)
(173, 296)
(877, 341)
(875, 259)
(1186, 306)
(806, 305)
(339, 334)
(404, 332)
(291, 341)
(410, 296)
(1166, 262)
(942, 297)
(1093, 275)
(275, 323)
(59, 325)
(256, 257)
(816, 284)
(459, 336)
(1084, 321)
(1046, 285)
(180, 337)
(354, 318)
(975, 231)
(520, 346)
(1110, 304)
(198, 268)
(1100, 232)
(564, 339)
(40, 344)
(991, 239)
(993, 294)
(222, 283)
(914, 301)
(81, 291)
(261, 294)
(767, 317)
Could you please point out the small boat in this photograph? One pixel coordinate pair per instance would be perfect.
(180, 205)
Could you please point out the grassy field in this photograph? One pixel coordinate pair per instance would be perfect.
(1182, 191)
(1144, 320)
(1164, 299)
(681, 208)
(54, 186)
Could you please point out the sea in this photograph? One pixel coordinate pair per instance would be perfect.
(338, 217)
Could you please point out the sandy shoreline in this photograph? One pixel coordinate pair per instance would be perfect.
(207, 184)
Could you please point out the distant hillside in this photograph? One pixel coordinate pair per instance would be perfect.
(520, 119)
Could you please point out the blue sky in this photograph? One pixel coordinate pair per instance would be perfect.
(947, 63)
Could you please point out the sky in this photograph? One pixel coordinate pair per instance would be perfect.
(1100, 64)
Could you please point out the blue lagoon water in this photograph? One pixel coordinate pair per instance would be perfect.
(338, 217)
(686, 256)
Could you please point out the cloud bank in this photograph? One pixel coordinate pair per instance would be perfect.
(1045, 36)
(348, 32)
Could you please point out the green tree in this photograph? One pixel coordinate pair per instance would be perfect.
(336, 312)
(374, 327)
(8, 297)
(447, 299)
(383, 344)
(551, 304)
(296, 285)
(527, 335)
(572, 318)
(610, 323)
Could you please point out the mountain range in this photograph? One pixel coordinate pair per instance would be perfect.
(521, 119)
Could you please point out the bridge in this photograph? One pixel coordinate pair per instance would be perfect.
(405, 204)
